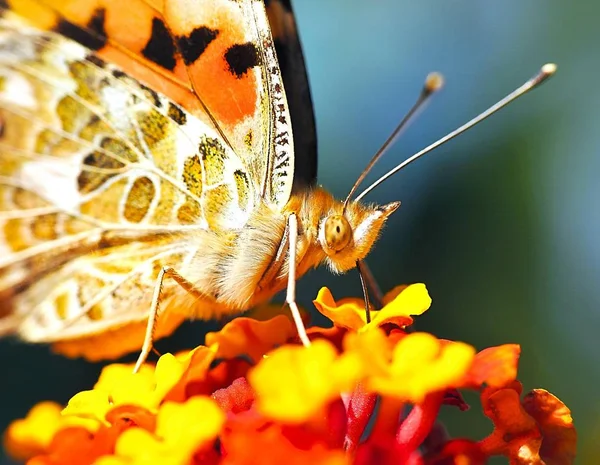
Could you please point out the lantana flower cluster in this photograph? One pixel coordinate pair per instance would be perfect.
(361, 393)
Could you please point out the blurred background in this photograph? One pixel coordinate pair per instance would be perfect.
(503, 224)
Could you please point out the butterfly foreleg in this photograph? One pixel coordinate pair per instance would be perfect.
(290, 297)
(188, 286)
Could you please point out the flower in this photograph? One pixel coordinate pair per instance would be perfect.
(537, 429)
(361, 393)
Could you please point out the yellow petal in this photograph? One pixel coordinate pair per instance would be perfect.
(138, 445)
(294, 383)
(168, 372)
(372, 347)
(89, 404)
(112, 460)
(411, 300)
(181, 430)
(32, 435)
(178, 423)
(422, 364)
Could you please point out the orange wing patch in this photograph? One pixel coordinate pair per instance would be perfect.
(219, 55)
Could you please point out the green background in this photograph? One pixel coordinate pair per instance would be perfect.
(502, 225)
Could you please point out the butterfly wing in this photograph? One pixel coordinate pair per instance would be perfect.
(216, 58)
(297, 89)
(102, 182)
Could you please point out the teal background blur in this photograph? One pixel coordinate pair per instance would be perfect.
(502, 224)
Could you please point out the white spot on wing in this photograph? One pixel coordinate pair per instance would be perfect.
(54, 180)
(18, 91)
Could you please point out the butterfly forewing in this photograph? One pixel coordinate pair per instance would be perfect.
(98, 170)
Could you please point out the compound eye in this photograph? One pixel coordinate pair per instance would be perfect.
(337, 232)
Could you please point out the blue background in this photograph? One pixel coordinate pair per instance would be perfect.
(502, 225)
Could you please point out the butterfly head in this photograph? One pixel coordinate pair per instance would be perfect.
(347, 235)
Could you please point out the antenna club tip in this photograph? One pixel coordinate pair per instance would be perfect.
(433, 82)
(549, 69)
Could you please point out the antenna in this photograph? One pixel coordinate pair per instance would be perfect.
(433, 83)
(543, 74)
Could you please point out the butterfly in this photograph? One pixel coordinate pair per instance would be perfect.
(148, 162)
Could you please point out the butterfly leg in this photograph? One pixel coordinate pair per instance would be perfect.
(290, 297)
(166, 271)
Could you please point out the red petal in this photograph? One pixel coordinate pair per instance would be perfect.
(417, 425)
(236, 398)
(360, 410)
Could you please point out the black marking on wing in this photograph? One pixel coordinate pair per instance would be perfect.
(242, 57)
(281, 164)
(176, 114)
(117, 73)
(89, 181)
(194, 44)
(94, 59)
(241, 184)
(93, 36)
(213, 160)
(153, 96)
(192, 174)
(160, 48)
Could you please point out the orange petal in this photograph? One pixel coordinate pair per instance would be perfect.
(132, 415)
(347, 313)
(495, 366)
(196, 372)
(559, 443)
(516, 434)
(245, 336)
(272, 444)
(72, 446)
